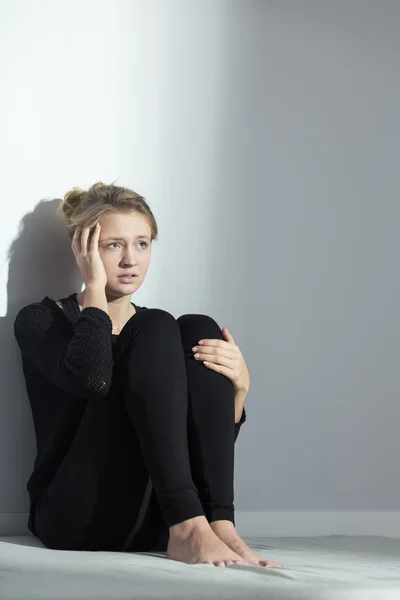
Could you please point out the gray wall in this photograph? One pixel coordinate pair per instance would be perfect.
(319, 253)
(265, 136)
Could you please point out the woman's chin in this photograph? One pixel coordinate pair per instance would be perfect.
(118, 289)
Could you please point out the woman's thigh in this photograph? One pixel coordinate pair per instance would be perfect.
(95, 496)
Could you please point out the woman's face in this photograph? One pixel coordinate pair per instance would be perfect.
(125, 247)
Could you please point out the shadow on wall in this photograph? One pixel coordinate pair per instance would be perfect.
(41, 263)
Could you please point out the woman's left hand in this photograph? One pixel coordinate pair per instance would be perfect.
(225, 357)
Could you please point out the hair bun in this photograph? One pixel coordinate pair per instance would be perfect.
(71, 201)
(83, 208)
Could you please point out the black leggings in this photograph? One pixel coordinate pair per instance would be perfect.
(157, 450)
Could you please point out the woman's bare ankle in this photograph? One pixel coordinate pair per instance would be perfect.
(181, 530)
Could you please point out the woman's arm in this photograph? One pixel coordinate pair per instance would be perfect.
(240, 411)
(240, 396)
(80, 364)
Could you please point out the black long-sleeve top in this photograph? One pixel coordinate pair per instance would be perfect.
(67, 360)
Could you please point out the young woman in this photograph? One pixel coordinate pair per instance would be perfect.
(135, 432)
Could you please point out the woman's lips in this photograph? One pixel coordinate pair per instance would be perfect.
(127, 278)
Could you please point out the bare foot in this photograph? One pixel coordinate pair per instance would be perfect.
(227, 533)
(193, 541)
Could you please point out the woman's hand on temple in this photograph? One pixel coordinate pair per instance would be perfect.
(88, 257)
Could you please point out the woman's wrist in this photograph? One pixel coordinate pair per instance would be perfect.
(95, 296)
(240, 396)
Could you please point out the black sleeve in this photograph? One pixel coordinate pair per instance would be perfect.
(80, 365)
(240, 423)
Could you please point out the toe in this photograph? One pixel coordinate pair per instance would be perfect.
(269, 563)
(219, 563)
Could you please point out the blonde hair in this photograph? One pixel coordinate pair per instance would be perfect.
(83, 208)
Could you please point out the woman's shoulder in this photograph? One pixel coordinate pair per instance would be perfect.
(46, 309)
(36, 312)
(139, 307)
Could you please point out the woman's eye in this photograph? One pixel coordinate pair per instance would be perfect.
(113, 243)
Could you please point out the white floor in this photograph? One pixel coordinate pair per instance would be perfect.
(313, 568)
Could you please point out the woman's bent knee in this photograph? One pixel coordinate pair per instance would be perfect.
(198, 326)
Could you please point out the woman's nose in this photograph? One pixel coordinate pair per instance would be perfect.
(129, 258)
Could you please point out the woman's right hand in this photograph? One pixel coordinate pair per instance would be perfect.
(88, 257)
